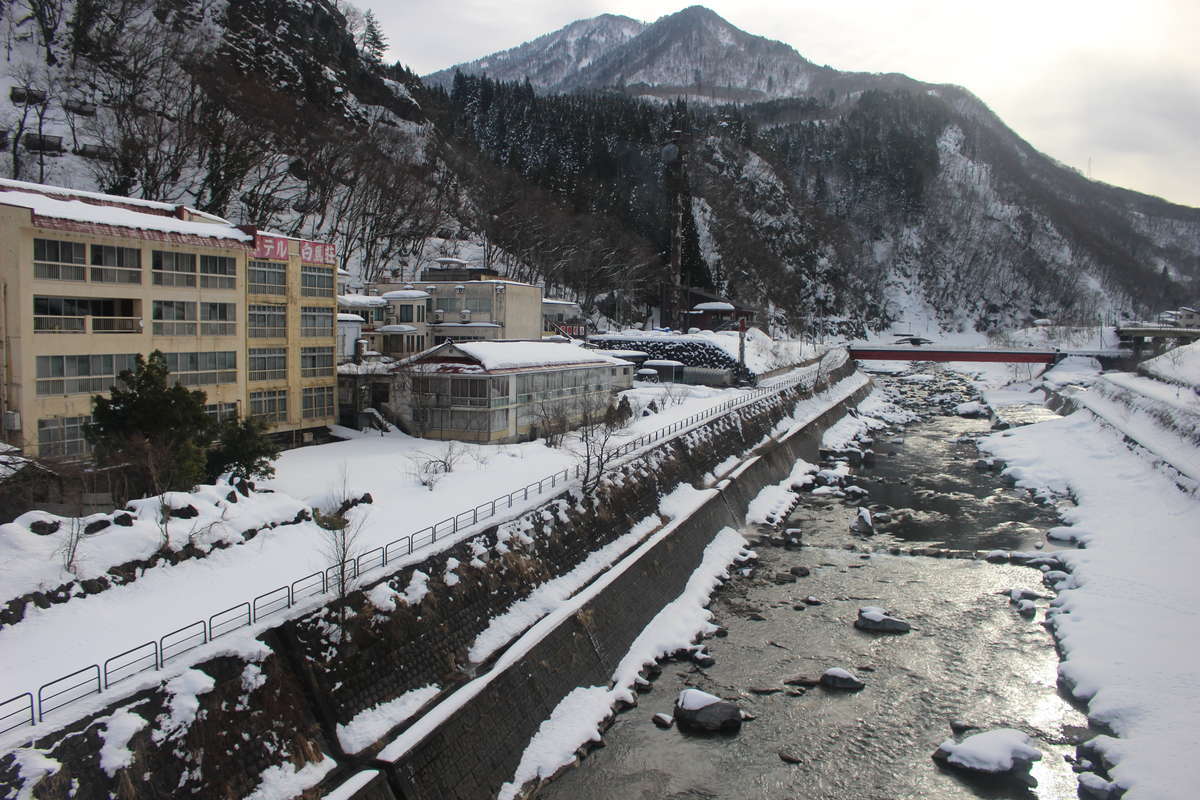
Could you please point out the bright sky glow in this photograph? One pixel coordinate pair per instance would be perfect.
(1110, 88)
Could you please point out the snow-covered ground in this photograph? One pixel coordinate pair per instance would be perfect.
(166, 597)
(1128, 616)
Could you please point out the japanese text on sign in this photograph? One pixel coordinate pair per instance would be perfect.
(276, 247)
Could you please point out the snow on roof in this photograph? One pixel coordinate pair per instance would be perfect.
(624, 353)
(466, 324)
(76, 210)
(550, 301)
(344, 273)
(42, 188)
(350, 318)
(395, 329)
(360, 301)
(452, 261)
(662, 362)
(515, 355)
(713, 307)
(405, 294)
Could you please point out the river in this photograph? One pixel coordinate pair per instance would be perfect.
(969, 660)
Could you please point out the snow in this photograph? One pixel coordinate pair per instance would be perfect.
(991, 751)
(118, 730)
(403, 294)
(573, 722)
(369, 725)
(418, 587)
(838, 672)
(773, 501)
(713, 307)
(1124, 621)
(545, 598)
(284, 781)
(168, 596)
(184, 690)
(33, 765)
(78, 211)
(694, 700)
(515, 355)
(350, 789)
(362, 300)
(763, 354)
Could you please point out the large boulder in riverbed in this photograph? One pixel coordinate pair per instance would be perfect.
(873, 618)
(1003, 751)
(701, 711)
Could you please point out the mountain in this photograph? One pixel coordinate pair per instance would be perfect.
(862, 197)
(551, 61)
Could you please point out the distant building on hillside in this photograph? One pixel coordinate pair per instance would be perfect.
(487, 391)
(563, 317)
(430, 313)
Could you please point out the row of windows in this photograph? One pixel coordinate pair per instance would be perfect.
(68, 261)
(268, 321)
(432, 419)
(270, 363)
(63, 436)
(316, 402)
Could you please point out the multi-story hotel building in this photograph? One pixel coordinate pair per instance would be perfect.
(89, 281)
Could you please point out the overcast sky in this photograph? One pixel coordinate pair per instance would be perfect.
(1110, 87)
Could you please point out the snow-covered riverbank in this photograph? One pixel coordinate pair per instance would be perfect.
(1127, 622)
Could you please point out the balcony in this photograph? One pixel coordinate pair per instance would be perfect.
(47, 324)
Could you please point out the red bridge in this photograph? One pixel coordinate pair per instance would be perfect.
(917, 353)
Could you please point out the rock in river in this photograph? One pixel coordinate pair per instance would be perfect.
(1003, 751)
(873, 618)
(697, 710)
(838, 678)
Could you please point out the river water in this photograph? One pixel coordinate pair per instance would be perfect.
(970, 657)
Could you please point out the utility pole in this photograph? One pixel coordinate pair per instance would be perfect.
(674, 156)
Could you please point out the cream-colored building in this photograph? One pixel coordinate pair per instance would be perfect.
(89, 281)
(419, 316)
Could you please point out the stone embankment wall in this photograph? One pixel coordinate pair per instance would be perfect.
(276, 707)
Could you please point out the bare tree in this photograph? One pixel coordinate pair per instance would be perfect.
(340, 542)
(593, 442)
(430, 466)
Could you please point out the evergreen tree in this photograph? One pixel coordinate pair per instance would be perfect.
(243, 450)
(373, 39)
(153, 427)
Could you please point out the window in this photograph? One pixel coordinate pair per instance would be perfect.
(268, 363)
(173, 269)
(55, 260)
(316, 362)
(405, 313)
(316, 321)
(268, 322)
(203, 368)
(218, 272)
(316, 281)
(222, 412)
(70, 315)
(269, 406)
(62, 436)
(317, 402)
(174, 318)
(479, 303)
(60, 375)
(267, 277)
(116, 264)
(218, 319)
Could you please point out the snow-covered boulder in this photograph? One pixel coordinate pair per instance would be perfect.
(877, 620)
(697, 710)
(971, 409)
(863, 523)
(995, 752)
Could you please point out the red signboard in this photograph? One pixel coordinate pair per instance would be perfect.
(276, 247)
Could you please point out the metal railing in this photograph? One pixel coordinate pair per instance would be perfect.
(154, 655)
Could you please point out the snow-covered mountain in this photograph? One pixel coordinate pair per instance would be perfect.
(880, 193)
(552, 62)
